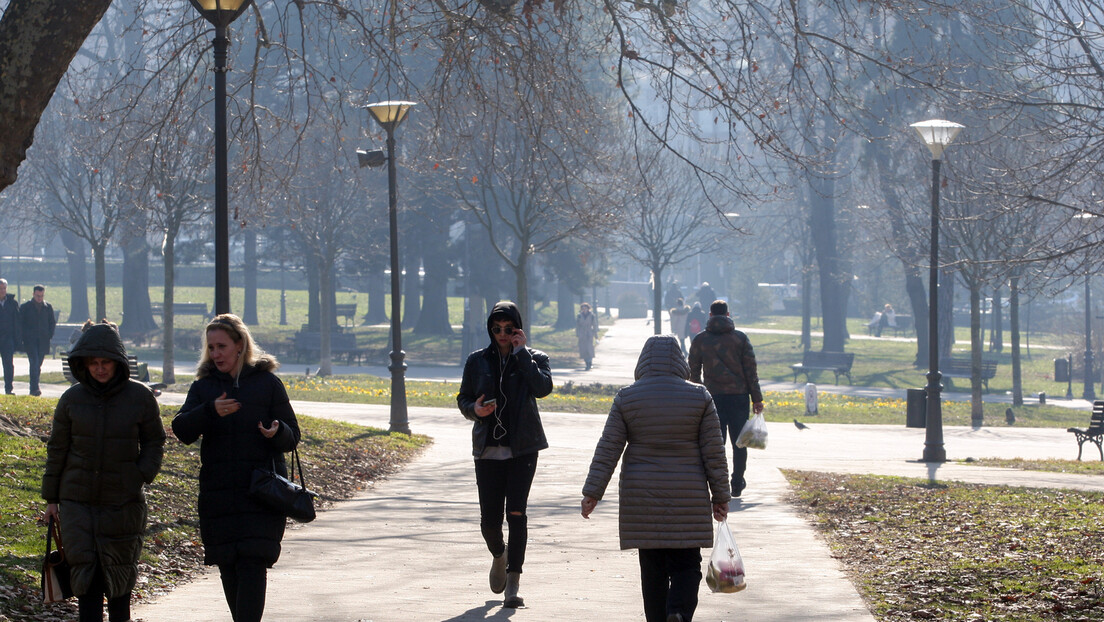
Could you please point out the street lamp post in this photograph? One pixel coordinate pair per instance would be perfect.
(936, 134)
(221, 13)
(389, 115)
(1088, 394)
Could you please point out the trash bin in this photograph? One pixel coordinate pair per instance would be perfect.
(916, 409)
(1061, 370)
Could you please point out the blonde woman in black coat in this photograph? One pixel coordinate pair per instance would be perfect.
(106, 442)
(241, 409)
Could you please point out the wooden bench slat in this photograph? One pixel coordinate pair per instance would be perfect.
(1094, 433)
(960, 367)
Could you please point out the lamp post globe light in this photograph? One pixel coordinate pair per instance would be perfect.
(389, 115)
(936, 134)
(221, 13)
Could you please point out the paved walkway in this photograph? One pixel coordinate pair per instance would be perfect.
(409, 549)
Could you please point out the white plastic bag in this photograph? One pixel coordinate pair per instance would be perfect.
(726, 568)
(754, 433)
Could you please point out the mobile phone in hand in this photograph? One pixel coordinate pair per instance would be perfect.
(490, 402)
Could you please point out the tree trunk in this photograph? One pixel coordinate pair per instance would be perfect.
(918, 299)
(168, 322)
(101, 282)
(312, 292)
(521, 282)
(78, 278)
(325, 313)
(377, 297)
(38, 40)
(996, 332)
(976, 412)
(411, 286)
(137, 314)
(249, 274)
(565, 306)
(657, 302)
(1014, 329)
(835, 277)
(434, 316)
(946, 312)
(807, 308)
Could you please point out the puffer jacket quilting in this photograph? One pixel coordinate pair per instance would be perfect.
(674, 466)
(722, 358)
(106, 442)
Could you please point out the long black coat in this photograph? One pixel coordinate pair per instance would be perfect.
(106, 441)
(37, 325)
(11, 329)
(231, 524)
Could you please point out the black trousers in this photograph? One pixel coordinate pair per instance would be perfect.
(669, 581)
(733, 410)
(504, 488)
(90, 605)
(7, 357)
(35, 356)
(244, 585)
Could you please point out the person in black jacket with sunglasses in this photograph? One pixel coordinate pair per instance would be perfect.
(499, 393)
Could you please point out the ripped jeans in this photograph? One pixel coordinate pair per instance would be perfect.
(504, 489)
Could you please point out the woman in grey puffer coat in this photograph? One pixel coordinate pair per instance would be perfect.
(106, 442)
(673, 476)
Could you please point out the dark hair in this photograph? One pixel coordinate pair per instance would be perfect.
(719, 307)
(39, 288)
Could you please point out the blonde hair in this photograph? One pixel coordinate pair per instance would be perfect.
(238, 332)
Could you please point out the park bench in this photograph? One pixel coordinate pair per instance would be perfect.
(953, 367)
(309, 345)
(346, 310)
(63, 338)
(838, 363)
(903, 327)
(181, 308)
(1094, 433)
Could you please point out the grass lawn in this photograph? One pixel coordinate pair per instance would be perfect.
(961, 552)
(338, 457)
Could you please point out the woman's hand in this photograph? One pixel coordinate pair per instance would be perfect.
(589, 503)
(226, 406)
(720, 511)
(482, 410)
(51, 512)
(270, 431)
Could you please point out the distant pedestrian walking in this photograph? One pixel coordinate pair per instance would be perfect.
(11, 334)
(499, 394)
(706, 295)
(38, 321)
(695, 320)
(241, 409)
(673, 476)
(723, 358)
(586, 333)
(678, 322)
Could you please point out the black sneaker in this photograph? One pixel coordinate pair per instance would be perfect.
(738, 487)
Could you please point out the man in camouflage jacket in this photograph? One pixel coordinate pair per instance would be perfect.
(724, 357)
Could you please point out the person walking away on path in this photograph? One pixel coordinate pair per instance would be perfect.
(241, 409)
(723, 357)
(106, 442)
(706, 295)
(695, 321)
(499, 392)
(586, 332)
(672, 478)
(37, 319)
(678, 322)
(673, 293)
(11, 334)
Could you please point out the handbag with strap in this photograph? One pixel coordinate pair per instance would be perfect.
(55, 568)
(281, 495)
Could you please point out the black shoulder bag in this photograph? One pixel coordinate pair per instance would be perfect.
(282, 495)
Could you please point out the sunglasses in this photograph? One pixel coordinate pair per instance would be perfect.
(499, 329)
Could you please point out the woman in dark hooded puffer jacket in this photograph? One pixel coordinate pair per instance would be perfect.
(241, 409)
(106, 442)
